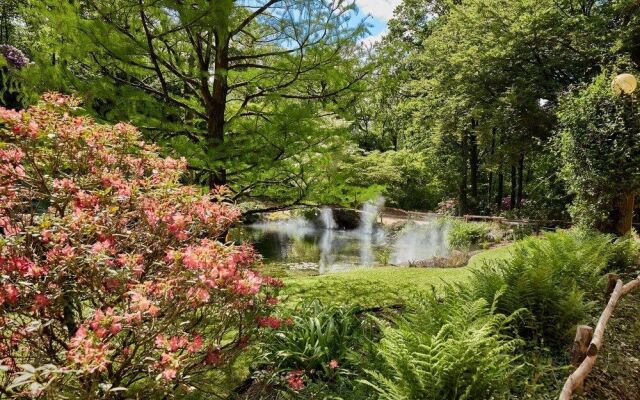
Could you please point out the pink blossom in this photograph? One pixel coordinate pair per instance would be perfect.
(295, 381)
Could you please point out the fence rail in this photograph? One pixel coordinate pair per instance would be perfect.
(586, 355)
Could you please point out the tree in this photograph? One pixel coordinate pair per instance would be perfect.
(109, 278)
(217, 80)
(480, 81)
(600, 148)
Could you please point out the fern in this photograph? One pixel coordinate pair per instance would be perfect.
(551, 277)
(447, 348)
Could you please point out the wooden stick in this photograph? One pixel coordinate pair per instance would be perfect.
(576, 379)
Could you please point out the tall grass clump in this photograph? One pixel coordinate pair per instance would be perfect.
(553, 277)
(446, 348)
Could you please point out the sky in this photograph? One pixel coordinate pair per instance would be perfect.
(381, 11)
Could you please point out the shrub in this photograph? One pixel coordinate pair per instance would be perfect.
(466, 235)
(550, 277)
(451, 348)
(319, 348)
(109, 279)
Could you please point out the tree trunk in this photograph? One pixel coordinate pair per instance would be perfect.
(624, 214)
(514, 184)
(474, 163)
(500, 193)
(217, 108)
(492, 153)
(464, 153)
(520, 181)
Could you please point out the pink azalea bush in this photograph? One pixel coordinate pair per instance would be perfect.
(111, 277)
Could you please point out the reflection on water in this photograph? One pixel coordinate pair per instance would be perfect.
(300, 244)
(327, 250)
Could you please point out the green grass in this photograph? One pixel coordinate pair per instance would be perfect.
(497, 253)
(370, 287)
(380, 286)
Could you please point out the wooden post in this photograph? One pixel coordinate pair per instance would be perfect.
(612, 279)
(584, 334)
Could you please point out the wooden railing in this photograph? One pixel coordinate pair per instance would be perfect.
(588, 342)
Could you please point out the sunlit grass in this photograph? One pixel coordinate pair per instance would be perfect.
(380, 286)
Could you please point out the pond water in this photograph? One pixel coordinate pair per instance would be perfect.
(318, 246)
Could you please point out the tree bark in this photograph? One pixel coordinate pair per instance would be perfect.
(492, 153)
(514, 184)
(624, 214)
(474, 163)
(500, 193)
(218, 105)
(464, 153)
(520, 181)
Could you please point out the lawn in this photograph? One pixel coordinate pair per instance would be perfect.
(380, 286)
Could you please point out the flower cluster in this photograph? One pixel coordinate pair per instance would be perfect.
(14, 56)
(109, 266)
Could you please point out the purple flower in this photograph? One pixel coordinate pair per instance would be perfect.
(14, 56)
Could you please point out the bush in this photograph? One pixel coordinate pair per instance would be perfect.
(109, 281)
(451, 348)
(551, 277)
(466, 235)
(319, 347)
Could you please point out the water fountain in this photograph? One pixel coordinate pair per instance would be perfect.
(326, 241)
(417, 242)
(366, 232)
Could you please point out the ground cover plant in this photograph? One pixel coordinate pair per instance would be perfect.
(111, 280)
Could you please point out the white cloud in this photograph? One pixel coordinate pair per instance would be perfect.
(382, 9)
(370, 40)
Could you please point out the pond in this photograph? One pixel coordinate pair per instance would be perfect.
(320, 247)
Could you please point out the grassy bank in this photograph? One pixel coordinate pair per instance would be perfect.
(380, 286)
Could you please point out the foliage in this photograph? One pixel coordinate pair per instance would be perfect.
(600, 146)
(465, 235)
(447, 348)
(112, 279)
(323, 345)
(625, 252)
(405, 176)
(250, 93)
(552, 277)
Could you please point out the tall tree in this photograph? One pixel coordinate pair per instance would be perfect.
(217, 80)
(600, 148)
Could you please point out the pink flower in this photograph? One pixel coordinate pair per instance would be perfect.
(269, 321)
(11, 293)
(169, 374)
(295, 381)
(41, 301)
(333, 364)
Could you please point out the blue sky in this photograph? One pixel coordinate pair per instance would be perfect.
(381, 11)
